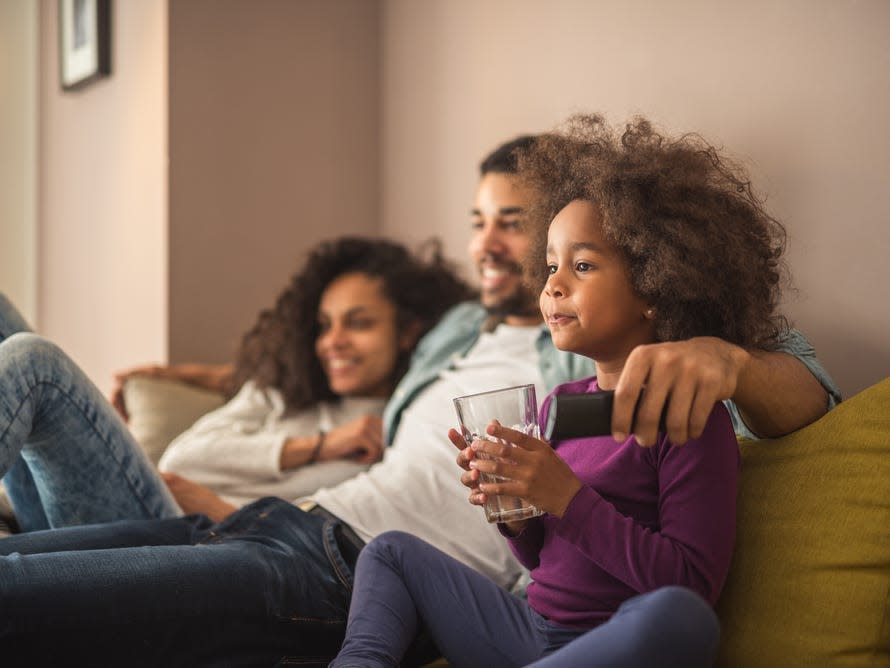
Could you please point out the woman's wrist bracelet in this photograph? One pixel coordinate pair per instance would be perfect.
(317, 449)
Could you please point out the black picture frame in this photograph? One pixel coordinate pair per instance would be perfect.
(84, 42)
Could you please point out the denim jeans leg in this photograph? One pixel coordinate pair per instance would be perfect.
(255, 589)
(11, 321)
(85, 465)
(18, 480)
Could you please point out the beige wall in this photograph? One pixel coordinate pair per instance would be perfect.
(798, 89)
(273, 116)
(18, 155)
(103, 197)
(273, 146)
(293, 121)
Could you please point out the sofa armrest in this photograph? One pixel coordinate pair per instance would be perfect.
(161, 409)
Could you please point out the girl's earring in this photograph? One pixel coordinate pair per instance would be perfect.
(650, 313)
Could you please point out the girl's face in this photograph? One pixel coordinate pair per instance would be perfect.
(358, 343)
(588, 302)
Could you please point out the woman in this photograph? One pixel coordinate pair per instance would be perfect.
(314, 373)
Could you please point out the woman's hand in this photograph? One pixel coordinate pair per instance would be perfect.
(193, 497)
(360, 440)
(536, 473)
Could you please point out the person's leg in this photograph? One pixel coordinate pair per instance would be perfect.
(83, 460)
(111, 535)
(666, 628)
(255, 589)
(402, 582)
(18, 480)
(11, 321)
(25, 497)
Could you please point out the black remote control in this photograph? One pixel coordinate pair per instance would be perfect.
(585, 414)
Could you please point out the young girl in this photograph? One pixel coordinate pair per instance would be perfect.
(652, 239)
(314, 374)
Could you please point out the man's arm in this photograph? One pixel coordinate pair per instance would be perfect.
(775, 392)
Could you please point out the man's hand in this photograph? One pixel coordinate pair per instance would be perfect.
(690, 375)
(774, 391)
(193, 497)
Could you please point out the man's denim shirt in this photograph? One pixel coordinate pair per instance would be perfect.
(461, 326)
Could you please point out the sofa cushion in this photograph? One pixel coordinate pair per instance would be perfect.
(810, 579)
(161, 409)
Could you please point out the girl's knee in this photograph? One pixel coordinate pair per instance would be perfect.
(691, 604)
(684, 618)
(391, 543)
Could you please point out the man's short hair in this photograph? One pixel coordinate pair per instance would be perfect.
(503, 160)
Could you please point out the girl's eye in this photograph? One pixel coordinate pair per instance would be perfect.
(551, 268)
(583, 266)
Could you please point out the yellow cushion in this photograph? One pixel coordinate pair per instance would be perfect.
(810, 579)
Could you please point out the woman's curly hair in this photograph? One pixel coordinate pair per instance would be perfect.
(699, 245)
(279, 350)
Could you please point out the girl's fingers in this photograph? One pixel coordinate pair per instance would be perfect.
(515, 437)
(457, 439)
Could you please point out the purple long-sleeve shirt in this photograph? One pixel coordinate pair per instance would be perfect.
(645, 518)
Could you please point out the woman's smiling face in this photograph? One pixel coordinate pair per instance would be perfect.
(358, 342)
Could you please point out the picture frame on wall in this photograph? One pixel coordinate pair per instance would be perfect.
(84, 41)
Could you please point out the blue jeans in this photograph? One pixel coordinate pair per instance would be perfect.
(269, 584)
(65, 456)
(402, 582)
(127, 581)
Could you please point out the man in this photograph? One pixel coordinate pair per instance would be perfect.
(272, 581)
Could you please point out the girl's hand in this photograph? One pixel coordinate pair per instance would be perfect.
(360, 440)
(536, 473)
(470, 477)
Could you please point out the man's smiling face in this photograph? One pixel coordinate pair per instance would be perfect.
(498, 246)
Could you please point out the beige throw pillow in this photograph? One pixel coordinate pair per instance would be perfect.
(162, 409)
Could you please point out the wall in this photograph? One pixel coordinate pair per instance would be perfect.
(103, 197)
(18, 155)
(274, 113)
(799, 90)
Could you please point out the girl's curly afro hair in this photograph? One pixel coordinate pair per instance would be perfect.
(699, 245)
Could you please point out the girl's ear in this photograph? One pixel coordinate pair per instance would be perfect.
(409, 335)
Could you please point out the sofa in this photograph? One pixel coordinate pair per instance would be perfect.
(810, 580)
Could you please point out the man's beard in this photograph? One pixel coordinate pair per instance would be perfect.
(522, 303)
